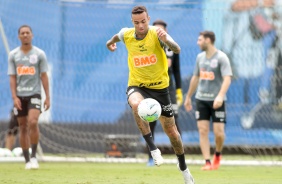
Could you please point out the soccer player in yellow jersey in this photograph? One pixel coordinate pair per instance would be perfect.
(148, 78)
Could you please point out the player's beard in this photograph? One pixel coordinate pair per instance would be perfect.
(204, 48)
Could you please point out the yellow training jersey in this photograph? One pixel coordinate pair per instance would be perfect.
(147, 60)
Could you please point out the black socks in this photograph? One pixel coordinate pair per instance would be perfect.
(26, 155)
(181, 161)
(33, 150)
(150, 141)
(217, 154)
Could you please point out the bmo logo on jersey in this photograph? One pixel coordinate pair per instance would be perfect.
(25, 70)
(141, 61)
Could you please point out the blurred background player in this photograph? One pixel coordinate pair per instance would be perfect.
(211, 78)
(148, 78)
(12, 132)
(27, 68)
(175, 90)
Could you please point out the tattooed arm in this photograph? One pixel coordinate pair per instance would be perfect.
(166, 39)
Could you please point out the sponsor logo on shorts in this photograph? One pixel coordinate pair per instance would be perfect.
(141, 61)
(25, 70)
(37, 106)
(15, 111)
(197, 114)
(167, 108)
(220, 114)
(35, 101)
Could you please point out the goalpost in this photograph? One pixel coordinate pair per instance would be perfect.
(4, 38)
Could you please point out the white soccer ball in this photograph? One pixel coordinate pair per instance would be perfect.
(149, 110)
(5, 152)
(18, 152)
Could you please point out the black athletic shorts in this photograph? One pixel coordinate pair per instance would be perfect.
(172, 94)
(13, 124)
(161, 95)
(29, 102)
(205, 111)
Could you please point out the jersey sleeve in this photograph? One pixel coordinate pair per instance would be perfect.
(43, 65)
(197, 68)
(225, 67)
(11, 64)
(121, 34)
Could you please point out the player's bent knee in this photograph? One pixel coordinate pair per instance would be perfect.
(33, 123)
(23, 129)
(134, 104)
(220, 135)
(203, 131)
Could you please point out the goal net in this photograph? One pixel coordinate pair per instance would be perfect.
(89, 111)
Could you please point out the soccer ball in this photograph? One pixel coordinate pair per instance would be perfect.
(17, 151)
(149, 110)
(5, 152)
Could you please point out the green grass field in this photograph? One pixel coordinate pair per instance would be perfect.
(119, 173)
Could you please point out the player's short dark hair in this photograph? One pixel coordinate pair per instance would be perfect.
(23, 27)
(208, 34)
(160, 22)
(139, 10)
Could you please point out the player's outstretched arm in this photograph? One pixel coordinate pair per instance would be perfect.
(166, 38)
(111, 43)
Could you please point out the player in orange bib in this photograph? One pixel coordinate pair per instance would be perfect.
(148, 78)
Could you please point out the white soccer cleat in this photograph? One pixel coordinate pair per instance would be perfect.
(157, 156)
(188, 178)
(28, 165)
(34, 163)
